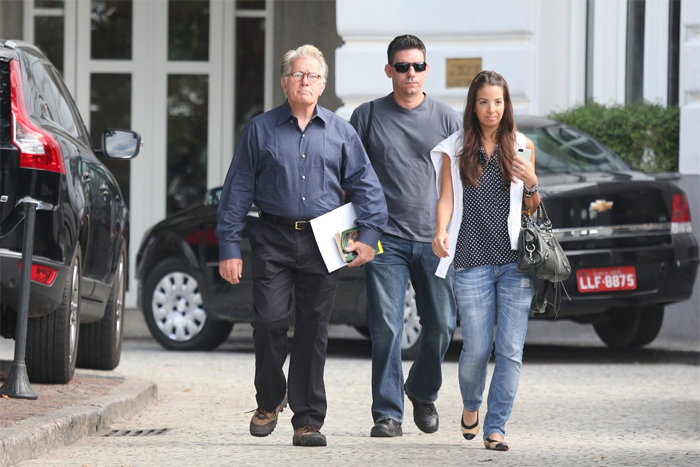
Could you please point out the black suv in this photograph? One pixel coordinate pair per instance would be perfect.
(78, 275)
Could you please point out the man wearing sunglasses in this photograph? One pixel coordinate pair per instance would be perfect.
(296, 162)
(399, 131)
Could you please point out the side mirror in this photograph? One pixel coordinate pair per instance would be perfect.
(121, 144)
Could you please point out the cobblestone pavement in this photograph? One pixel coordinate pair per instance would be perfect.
(575, 407)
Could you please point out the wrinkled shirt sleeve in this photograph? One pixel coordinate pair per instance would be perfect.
(237, 196)
(360, 182)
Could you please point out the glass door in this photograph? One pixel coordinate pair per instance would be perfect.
(186, 74)
(155, 67)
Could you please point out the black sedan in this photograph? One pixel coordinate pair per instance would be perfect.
(627, 235)
(79, 265)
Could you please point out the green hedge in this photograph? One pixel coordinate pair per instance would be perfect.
(645, 135)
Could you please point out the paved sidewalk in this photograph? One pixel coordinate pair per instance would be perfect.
(65, 413)
(608, 410)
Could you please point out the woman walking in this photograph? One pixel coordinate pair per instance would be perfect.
(482, 184)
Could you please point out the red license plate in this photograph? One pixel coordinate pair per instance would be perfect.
(606, 279)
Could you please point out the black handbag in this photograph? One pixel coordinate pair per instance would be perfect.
(541, 256)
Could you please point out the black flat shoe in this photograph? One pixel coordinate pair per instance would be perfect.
(469, 432)
(386, 428)
(496, 445)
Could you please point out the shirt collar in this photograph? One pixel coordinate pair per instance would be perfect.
(482, 156)
(286, 113)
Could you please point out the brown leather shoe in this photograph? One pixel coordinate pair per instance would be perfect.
(264, 422)
(309, 435)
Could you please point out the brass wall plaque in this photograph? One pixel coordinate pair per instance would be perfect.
(461, 71)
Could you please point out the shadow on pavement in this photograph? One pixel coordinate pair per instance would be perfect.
(538, 353)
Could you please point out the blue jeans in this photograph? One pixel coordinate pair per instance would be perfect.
(387, 281)
(482, 293)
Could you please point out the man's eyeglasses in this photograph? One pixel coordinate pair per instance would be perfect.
(402, 67)
(299, 75)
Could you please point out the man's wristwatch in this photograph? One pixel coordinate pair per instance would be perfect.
(529, 191)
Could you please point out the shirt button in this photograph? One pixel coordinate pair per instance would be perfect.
(303, 177)
(303, 135)
(303, 198)
(303, 155)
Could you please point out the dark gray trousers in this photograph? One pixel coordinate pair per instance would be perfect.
(289, 275)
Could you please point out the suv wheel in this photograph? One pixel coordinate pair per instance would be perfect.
(633, 327)
(175, 312)
(100, 344)
(52, 340)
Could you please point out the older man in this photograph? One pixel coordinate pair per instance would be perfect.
(296, 162)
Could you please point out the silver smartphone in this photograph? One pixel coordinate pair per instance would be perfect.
(524, 154)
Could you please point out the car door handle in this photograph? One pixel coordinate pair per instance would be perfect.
(86, 176)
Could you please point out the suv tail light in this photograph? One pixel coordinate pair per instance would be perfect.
(37, 148)
(41, 274)
(680, 214)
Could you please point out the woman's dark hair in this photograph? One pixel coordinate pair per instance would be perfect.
(405, 42)
(469, 167)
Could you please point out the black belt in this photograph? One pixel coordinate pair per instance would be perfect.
(297, 224)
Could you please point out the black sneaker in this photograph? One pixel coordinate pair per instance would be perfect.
(309, 435)
(386, 428)
(425, 416)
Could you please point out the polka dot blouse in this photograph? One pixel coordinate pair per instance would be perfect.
(483, 235)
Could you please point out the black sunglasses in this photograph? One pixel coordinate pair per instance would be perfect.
(402, 67)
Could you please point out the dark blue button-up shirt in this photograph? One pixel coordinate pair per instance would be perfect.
(299, 174)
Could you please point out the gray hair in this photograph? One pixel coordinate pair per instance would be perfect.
(305, 51)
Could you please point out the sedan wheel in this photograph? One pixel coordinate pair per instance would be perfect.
(174, 309)
(629, 328)
(412, 329)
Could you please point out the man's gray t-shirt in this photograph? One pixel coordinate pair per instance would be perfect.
(400, 141)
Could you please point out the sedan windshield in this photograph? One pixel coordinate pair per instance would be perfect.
(562, 149)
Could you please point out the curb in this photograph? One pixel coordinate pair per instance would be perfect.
(35, 436)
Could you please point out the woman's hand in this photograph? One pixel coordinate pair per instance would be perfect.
(441, 244)
(525, 171)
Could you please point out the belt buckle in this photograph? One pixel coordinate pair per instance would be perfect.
(298, 227)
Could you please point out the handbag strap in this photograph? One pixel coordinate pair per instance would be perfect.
(543, 217)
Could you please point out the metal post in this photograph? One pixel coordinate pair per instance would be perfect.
(17, 383)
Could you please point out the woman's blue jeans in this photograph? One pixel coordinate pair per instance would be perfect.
(387, 281)
(488, 295)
